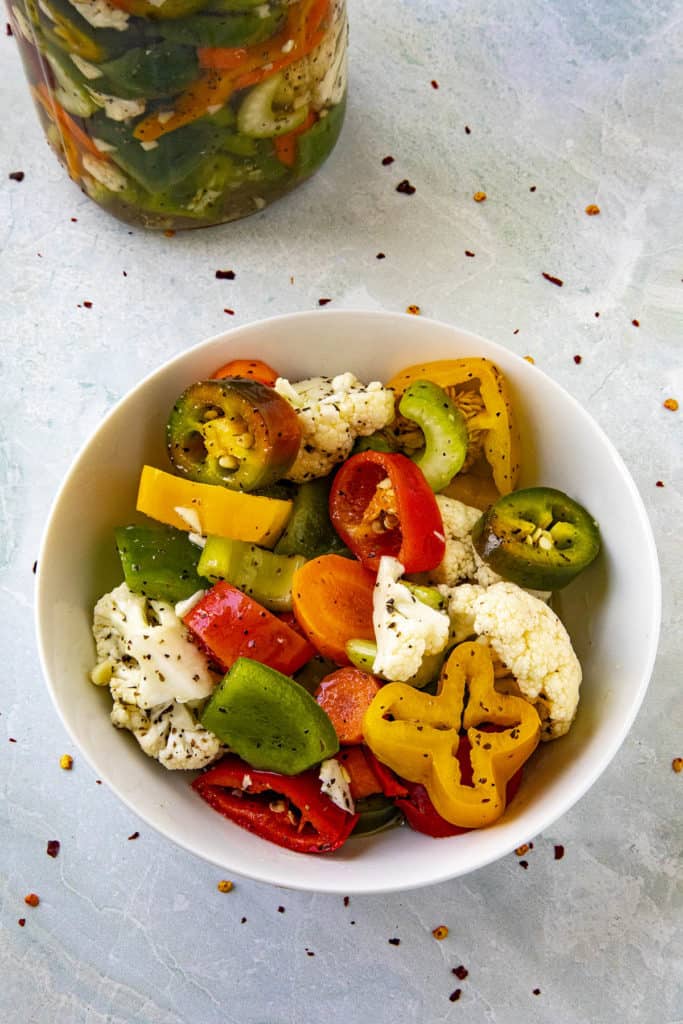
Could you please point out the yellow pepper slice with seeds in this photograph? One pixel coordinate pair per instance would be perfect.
(417, 736)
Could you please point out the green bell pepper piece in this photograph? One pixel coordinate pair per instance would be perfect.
(224, 29)
(314, 671)
(315, 145)
(377, 813)
(262, 574)
(159, 562)
(269, 720)
(309, 531)
(149, 72)
(537, 537)
(444, 428)
(374, 443)
(362, 654)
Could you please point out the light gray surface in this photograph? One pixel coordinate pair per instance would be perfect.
(581, 100)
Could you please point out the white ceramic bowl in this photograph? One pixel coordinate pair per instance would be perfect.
(612, 611)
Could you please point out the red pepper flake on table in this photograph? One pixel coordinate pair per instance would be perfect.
(225, 885)
(460, 972)
(671, 404)
(323, 302)
(530, 359)
(524, 848)
(537, 991)
(454, 996)
(479, 197)
(169, 233)
(387, 160)
(523, 864)
(52, 847)
(413, 309)
(405, 187)
(577, 360)
(34, 568)
(553, 280)
(532, 188)
(8, 29)
(381, 256)
(659, 483)
(280, 910)
(394, 942)
(636, 323)
(21, 922)
(434, 83)
(592, 210)
(16, 176)
(677, 765)
(87, 304)
(12, 739)
(469, 253)
(440, 932)
(559, 851)
(230, 312)
(134, 835)
(225, 275)
(32, 899)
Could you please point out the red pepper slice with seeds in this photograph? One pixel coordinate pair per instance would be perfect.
(381, 504)
(288, 810)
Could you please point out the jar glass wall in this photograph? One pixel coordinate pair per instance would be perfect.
(186, 113)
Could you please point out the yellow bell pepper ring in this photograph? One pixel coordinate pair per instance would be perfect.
(211, 509)
(417, 736)
(479, 389)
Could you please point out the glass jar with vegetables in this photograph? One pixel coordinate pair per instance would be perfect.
(186, 113)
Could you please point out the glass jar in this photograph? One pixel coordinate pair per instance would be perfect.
(186, 113)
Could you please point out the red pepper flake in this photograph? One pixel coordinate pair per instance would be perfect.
(9, 32)
(405, 187)
(553, 280)
(530, 359)
(592, 210)
(381, 256)
(596, 314)
(87, 304)
(413, 310)
(134, 835)
(460, 972)
(454, 996)
(230, 312)
(577, 359)
(440, 932)
(32, 899)
(636, 323)
(532, 188)
(435, 84)
(352, 922)
(479, 197)
(323, 302)
(309, 952)
(677, 765)
(346, 901)
(22, 920)
(98, 782)
(559, 851)
(468, 130)
(394, 942)
(659, 483)
(524, 848)
(243, 920)
(125, 273)
(468, 253)
(225, 275)
(17, 176)
(66, 762)
(12, 739)
(671, 404)
(34, 568)
(280, 910)
(537, 991)
(387, 160)
(74, 220)
(52, 847)
(523, 864)
(169, 233)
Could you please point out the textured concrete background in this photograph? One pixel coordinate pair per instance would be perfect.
(567, 104)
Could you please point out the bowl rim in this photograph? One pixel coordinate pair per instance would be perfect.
(535, 819)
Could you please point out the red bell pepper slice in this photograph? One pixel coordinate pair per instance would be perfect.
(288, 810)
(399, 518)
(231, 625)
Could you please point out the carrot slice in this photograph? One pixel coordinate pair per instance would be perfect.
(250, 369)
(346, 695)
(332, 599)
(362, 779)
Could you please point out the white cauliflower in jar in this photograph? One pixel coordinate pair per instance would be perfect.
(320, 77)
(405, 628)
(333, 412)
(171, 733)
(157, 677)
(530, 640)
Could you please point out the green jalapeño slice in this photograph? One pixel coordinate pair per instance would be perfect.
(234, 432)
(537, 537)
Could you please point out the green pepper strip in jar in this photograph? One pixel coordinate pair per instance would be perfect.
(444, 428)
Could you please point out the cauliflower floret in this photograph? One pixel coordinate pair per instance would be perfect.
(332, 413)
(319, 78)
(334, 783)
(530, 640)
(170, 733)
(149, 652)
(461, 561)
(406, 629)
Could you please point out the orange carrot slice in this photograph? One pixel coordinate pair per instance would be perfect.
(346, 695)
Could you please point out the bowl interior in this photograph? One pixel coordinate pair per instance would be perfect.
(612, 611)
